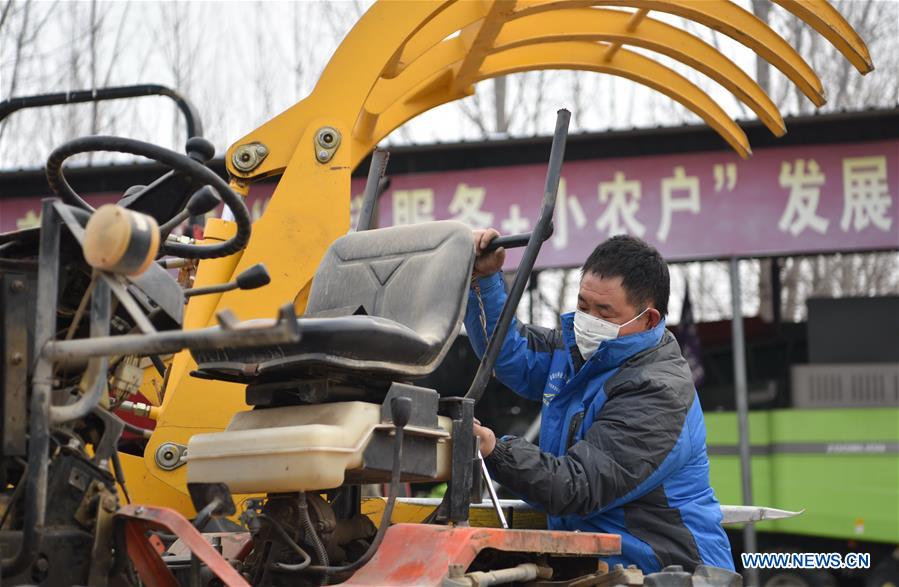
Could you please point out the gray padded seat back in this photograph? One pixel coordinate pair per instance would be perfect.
(386, 302)
(417, 276)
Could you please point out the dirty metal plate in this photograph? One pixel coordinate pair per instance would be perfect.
(147, 559)
(420, 554)
(14, 295)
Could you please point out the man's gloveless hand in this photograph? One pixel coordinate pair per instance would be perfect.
(485, 263)
(487, 438)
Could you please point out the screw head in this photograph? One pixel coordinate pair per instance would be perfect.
(327, 140)
(168, 456)
(17, 286)
(16, 358)
(248, 157)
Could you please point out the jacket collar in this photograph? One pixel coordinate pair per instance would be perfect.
(612, 353)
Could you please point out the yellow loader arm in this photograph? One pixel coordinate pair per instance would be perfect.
(403, 58)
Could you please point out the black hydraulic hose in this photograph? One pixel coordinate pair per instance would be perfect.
(529, 257)
(309, 528)
(118, 472)
(282, 533)
(191, 118)
(182, 163)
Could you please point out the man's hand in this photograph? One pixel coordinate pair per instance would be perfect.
(487, 438)
(487, 263)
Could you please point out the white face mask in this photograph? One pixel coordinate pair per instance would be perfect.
(590, 331)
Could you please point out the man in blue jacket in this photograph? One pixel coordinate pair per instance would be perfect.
(622, 439)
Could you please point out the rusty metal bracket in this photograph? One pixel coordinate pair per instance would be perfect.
(102, 551)
(398, 562)
(137, 520)
(14, 293)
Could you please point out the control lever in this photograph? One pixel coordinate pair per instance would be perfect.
(514, 241)
(250, 278)
(202, 201)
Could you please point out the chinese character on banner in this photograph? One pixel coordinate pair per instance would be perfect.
(413, 206)
(688, 202)
(804, 180)
(866, 198)
(466, 206)
(515, 222)
(30, 220)
(622, 198)
(566, 203)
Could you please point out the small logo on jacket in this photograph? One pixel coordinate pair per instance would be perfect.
(554, 386)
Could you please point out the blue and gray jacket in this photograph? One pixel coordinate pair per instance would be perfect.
(622, 440)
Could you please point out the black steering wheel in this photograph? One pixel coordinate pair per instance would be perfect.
(182, 163)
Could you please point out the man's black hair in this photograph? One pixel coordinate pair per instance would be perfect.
(643, 271)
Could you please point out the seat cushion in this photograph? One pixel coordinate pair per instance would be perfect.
(355, 342)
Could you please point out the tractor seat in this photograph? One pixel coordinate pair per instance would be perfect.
(387, 302)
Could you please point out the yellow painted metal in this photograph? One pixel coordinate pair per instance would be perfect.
(579, 55)
(723, 16)
(405, 57)
(478, 39)
(407, 513)
(831, 25)
(589, 57)
(614, 26)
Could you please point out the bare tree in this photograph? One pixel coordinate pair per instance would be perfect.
(21, 23)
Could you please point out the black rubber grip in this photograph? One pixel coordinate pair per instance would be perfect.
(513, 241)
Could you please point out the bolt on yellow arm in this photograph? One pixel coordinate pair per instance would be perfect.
(405, 57)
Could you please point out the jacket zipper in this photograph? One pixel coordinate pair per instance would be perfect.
(573, 426)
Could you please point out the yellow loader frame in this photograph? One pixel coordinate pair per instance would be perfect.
(405, 57)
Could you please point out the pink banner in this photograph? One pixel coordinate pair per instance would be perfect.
(696, 205)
